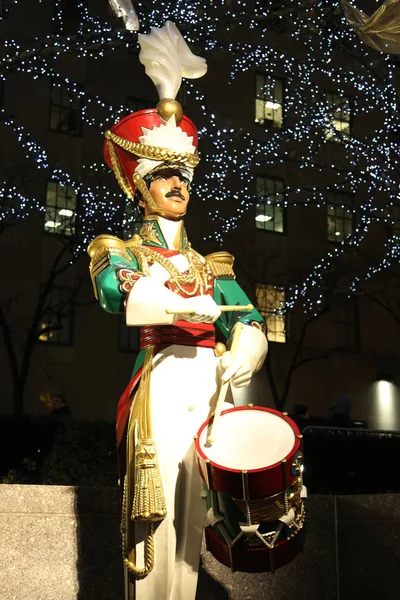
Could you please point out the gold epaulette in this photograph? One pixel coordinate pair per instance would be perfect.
(100, 251)
(221, 264)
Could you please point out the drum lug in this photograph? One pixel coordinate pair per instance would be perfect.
(209, 474)
(285, 485)
(230, 543)
(245, 484)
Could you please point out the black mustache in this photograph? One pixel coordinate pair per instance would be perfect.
(175, 193)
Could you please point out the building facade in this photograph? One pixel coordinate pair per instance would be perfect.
(56, 338)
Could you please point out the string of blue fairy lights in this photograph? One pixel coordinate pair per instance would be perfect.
(371, 163)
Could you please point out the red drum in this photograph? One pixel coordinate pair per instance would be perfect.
(253, 471)
(249, 555)
(257, 453)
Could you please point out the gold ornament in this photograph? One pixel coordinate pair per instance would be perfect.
(219, 349)
(168, 107)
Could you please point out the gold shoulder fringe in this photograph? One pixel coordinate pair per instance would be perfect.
(100, 251)
(221, 264)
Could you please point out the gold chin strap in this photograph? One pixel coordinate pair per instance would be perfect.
(116, 167)
(140, 184)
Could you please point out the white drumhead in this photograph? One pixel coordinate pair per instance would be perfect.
(249, 439)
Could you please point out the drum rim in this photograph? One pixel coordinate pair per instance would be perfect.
(290, 421)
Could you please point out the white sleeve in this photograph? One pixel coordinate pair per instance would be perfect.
(147, 302)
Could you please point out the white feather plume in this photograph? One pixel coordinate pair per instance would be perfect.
(125, 10)
(167, 58)
(381, 30)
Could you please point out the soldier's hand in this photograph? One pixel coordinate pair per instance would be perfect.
(236, 369)
(248, 357)
(199, 309)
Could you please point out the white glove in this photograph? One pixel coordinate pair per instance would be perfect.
(250, 354)
(203, 310)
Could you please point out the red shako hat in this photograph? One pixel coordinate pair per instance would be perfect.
(128, 132)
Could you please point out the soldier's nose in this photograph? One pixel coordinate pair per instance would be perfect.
(176, 182)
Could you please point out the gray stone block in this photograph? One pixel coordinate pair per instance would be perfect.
(64, 542)
(59, 542)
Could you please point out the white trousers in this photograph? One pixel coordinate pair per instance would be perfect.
(183, 389)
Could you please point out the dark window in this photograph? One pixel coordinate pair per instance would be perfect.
(269, 101)
(60, 209)
(338, 118)
(56, 323)
(269, 193)
(340, 216)
(128, 337)
(69, 14)
(2, 84)
(345, 318)
(270, 303)
(396, 219)
(65, 112)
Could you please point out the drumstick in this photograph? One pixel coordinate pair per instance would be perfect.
(223, 308)
(224, 387)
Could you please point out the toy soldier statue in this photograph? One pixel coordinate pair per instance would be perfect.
(175, 295)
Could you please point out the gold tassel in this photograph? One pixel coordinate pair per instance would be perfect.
(149, 501)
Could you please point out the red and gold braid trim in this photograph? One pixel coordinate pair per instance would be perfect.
(153, 152)
(127, 279)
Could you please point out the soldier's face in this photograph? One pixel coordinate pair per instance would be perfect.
(170, 192)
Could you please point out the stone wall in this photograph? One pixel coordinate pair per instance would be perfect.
(63, 542)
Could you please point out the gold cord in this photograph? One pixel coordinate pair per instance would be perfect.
(197, 275)
(153, 152)
(137, 572)
(148, 496)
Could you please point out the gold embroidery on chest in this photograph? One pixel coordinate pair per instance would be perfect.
(198, 276)
(149, 234)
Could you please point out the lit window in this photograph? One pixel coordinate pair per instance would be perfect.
(128, 337)
(56, 322)
(339, 216)
(345, 318)
(338, 119)
(65, 112)
(60, 209)
(269, 194)
(270, 301)
(135, 104)
(269, 101)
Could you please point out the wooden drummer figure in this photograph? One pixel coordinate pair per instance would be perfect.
(176, 296)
